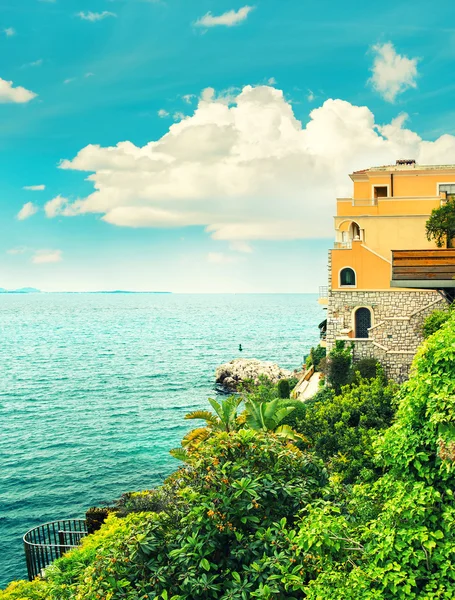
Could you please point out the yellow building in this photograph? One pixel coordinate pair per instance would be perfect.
(388, 211)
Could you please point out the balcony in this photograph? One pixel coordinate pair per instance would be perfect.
(323, 294)
(50, 541)
(424, 269)
(343, 245)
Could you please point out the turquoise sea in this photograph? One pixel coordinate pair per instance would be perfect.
(94, 388)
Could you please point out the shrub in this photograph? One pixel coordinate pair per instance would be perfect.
(283, 389)
(317, 354)
(338, 369)
(342, 428)
(434, 322)
(367, 368)
(25, 590)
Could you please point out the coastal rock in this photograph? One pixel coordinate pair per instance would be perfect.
(232, 374)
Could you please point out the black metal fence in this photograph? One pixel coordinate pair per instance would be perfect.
(50, 541)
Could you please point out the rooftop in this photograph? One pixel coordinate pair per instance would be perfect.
(405, 165)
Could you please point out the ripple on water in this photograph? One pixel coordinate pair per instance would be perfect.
(94, 390)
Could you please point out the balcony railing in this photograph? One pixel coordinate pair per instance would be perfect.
(50, 541)
(323, 291)
(343, 245)
(374, 201)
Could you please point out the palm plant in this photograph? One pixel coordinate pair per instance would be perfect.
(225, 418)
(267, 416)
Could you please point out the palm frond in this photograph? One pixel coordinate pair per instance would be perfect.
(286, 432)
(180, 454)
(282, 412)
(205, 415)
(195, 436)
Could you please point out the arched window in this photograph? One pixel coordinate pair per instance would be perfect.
(362, 322)
(347, 276)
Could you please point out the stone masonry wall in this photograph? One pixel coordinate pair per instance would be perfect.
(397, 319)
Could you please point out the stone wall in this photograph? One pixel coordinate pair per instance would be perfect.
(395, 334)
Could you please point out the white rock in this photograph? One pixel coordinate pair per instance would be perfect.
(233, 373)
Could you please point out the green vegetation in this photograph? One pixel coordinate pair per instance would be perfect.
(284, 389)
(338, 367)
(434, 322)
(364, 509)
(314, 358)
(440, 227)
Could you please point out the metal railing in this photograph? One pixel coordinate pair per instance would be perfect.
(323, 291)
(46, 543)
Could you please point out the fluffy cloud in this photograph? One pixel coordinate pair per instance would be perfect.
(392, 72)
(28, 210)
(60, 206)
(246, 171)
(34, 188)
(46, 256)
(93, 16)
(18, 95)
(228, 19)
(9, 32)
(162, 113)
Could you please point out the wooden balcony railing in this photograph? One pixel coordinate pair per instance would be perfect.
(432, 269)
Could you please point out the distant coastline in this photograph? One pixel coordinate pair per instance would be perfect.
(36, 291)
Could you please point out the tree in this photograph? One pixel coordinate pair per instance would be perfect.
(440, 227)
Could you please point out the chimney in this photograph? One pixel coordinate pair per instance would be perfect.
(406, 161)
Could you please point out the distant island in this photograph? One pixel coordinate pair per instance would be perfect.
(26, 290)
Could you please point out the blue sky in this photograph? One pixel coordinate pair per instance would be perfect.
(237, 190)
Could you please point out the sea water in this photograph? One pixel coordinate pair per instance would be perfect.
(94, 389)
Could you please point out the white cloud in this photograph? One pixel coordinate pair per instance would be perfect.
(228, 19)
(271, 81)
(69, 80)
(178, 116)
(310, 96)
(163, 113)
(28, 210)
(17, 250)
(59, 206)
(392, 73)
(34, 188)
(219, 258)
(93, 16)
(247, 171)
(35, 63)
(18, 95)
(9, 32)
(89, 74)
(189, 98)
(46, 256)
(239, 246)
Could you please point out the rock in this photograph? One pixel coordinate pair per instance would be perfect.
(232, 374)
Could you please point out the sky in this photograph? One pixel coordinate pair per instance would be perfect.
(200, 146)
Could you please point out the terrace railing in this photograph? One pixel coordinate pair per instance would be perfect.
(46, 543)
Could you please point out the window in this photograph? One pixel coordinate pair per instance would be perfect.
(448, 188)
(380, 191)
(347, 277)
(362, 322)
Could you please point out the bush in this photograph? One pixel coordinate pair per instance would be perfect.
(367, 368)
(317, 355)
(434, 322)
(283, 389)
(338, 368)
(25, 590)
(342, 428)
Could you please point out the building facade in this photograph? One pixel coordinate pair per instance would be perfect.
(388, 211)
